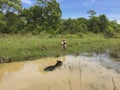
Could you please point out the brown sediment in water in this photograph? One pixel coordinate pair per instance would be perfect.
(76, 73)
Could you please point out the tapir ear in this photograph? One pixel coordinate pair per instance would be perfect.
(58, 60)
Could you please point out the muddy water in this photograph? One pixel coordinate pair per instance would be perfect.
(77, 73)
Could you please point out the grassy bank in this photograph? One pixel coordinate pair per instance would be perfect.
(17, 47)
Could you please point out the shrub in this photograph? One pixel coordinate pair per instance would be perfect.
(13, 30)
(37, 30)
(80, 35)
(109, 32)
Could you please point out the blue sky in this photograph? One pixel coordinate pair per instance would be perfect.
(79, 8)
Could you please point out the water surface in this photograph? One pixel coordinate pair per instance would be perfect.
(81, 72)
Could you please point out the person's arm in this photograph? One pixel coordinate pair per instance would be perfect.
(62, 43)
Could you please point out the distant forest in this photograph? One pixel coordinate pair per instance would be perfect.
(45, 16)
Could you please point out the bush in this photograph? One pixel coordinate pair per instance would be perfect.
(2, 23)
(80, 35)
(83, 28)
(37, 30)
(13, 30)
(115, 52)
(29, 27)
(109, 32)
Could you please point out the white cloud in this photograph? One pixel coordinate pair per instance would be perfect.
(118, 21)
(114, 17)
(27, 2)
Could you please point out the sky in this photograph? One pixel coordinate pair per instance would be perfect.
(79, 8)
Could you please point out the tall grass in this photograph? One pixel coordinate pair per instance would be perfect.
(18, 47)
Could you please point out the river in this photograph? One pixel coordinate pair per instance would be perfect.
(83, 72)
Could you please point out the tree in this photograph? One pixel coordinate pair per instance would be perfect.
(70, 26)
(81, 20)
(14, 22)
(93, 24)
(92, 13)
(51, 12)
(82, 24)
(33, 15)
(2, 22)
(7, 6)
(11, 9)
(113, 24)
(46, 13)
(83, 28)
(103, 23)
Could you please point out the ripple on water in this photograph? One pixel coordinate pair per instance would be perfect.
(77, 72)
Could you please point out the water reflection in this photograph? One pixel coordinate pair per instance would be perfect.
(77, 73)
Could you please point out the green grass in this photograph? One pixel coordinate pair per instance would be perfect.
(28, 47)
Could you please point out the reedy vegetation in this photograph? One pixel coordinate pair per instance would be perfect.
(28, 47)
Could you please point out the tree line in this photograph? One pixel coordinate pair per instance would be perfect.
(45, 16)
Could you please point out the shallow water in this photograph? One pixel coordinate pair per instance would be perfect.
(82, 72)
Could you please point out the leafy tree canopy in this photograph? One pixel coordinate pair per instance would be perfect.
(10, 6)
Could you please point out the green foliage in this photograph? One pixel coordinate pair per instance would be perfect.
(2, 22)
(52, 12)
(44, 21)
(114, 25)
(103, 23)
(33, 15)
(29, 27)
(81, 35)
(45, 16)
(72, 26)
(24, 47)
(46, 12)
(37, 30)
(115, 52)
(93, 24)
(92, 13)
(13, 29)
(83, 28)
(7, 6)
(109, 32)
(96, 29)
